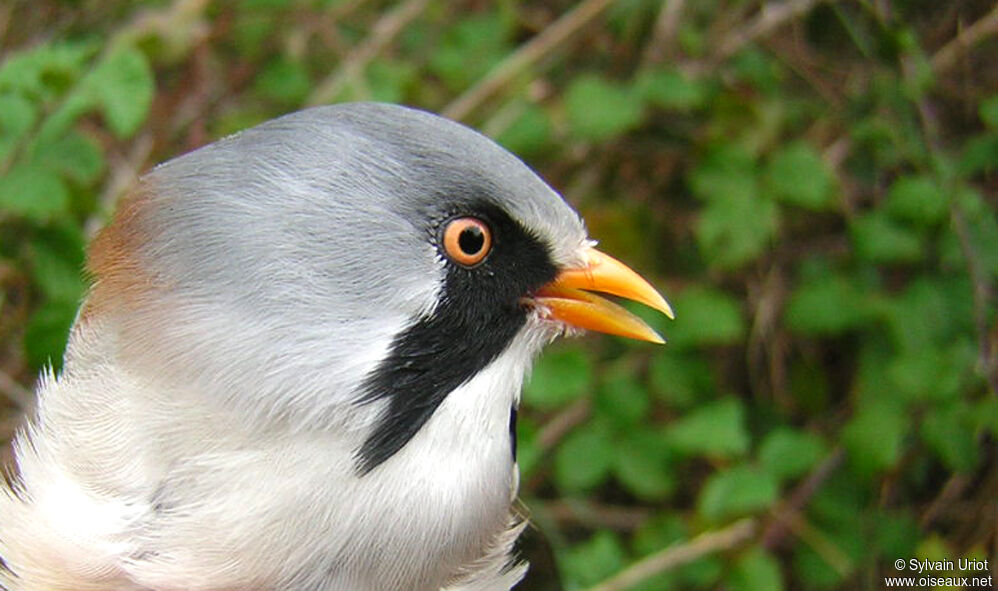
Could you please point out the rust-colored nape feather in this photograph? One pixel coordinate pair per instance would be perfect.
(117, 276)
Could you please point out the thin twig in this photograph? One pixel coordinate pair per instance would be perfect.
(951, 491)
(967, 38)
(182, 21)
(562, 423)
(526, 56)
(834, 556)
(384, 32)
(983, 289)
(799, 498)
(341, 10)
(941, 61)
(594, 515)
(5, 12)
(771, 17)
(983, 297)
(664, 33)
(706, 543)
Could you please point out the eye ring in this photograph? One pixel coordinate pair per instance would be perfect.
(467, 241)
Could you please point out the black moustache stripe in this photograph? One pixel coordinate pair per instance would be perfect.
(478, 315)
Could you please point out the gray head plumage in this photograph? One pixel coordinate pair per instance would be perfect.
(295, 230)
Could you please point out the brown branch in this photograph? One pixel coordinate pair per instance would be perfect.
(664, 33)
(801, 495)
(5, 12)
(983, 288)
(562, 423)
(771, 17)
(594, 515)
(834, 556)
(384, 32)
(669, 558)
(951, 491)
(526, 56)
(983, 296)
(965, 39)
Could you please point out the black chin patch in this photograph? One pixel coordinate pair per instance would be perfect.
(478, 315)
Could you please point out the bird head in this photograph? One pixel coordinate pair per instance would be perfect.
(349, 265)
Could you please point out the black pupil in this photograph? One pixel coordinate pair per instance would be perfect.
(471, 240)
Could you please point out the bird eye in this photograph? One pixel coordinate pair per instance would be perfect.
(467, 241)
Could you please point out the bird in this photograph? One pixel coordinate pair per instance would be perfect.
(298, 366)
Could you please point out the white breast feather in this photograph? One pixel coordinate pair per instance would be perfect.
(129, 486)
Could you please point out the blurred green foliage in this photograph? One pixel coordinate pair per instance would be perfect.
(813, 184)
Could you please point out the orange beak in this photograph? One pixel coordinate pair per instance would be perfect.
(567, 298)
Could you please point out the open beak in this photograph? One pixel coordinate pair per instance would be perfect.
(567, 298)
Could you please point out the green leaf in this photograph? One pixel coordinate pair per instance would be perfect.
(985, 415)
(931, 373)
(736, 228)
(789, 453)
(17, 116)
(659, 531)
(621, 398)
(559, 376)
(988, 111)
(642, 465)
(826, 305)
(875, 436)
(813, 570)
(671, 89)
(758, 68)
(391, 81)
(599, 109)
(930, 311)
(755, 570)
(917, 199)
(46, 333)
(529, 134)
(123, 86)
(61, 120)
(680, 380)
(797, 175)
(895, 533)
(584, 459)
(45, 71)
(31, 191)
(982, 229)
(738, 491)
(250, 32)
(283, 80)
(471, 48)
(716, 429)
(950, 433)
(879, 239)
(726, 169)
(706, 316)
(57, 267)
(592, 561)
(700, 574)
(72, 155)
(980, 154)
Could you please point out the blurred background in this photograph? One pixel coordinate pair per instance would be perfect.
(813, 184)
